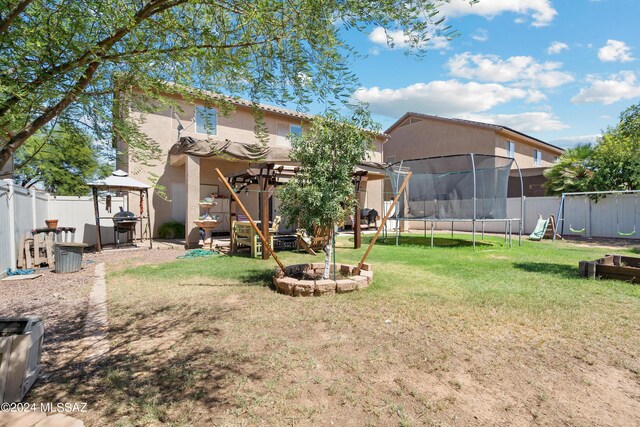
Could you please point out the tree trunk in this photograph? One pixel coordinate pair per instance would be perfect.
(327, 256)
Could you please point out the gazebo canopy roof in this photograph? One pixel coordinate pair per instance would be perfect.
(119, 180)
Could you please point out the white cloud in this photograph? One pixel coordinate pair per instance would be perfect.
(535, 121)
(399, 40)
(540, 10)
(572, 141)
(447, 98)
(557, 47)
(480, 35)
(516, 69)
(622, 85)
(615, 51)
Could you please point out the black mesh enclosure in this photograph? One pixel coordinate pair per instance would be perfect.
(442, 188)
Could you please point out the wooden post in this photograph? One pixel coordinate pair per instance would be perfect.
(265, 243)
(357, 228)
(146, 194)
(264, 208)
(97, 212)
(384, 221)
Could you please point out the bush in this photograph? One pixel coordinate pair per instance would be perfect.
(171, 230)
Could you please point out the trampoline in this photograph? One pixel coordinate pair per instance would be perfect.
(457, 188)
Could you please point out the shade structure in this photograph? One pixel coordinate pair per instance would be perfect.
(120, 181)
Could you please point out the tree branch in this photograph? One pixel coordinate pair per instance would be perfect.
(150, 9)
(11, 16)
(18, 139)
(182, 48)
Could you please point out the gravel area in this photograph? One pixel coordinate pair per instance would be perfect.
(61, 300)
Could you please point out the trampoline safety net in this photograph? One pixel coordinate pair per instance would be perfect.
(442, 188)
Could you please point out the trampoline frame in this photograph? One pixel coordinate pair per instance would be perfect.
(508, 221)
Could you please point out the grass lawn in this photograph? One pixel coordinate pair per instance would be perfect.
(443, 336)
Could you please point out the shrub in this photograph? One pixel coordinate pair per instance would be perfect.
(171, 230)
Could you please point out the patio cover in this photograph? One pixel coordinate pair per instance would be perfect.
(229, 150)
(119, 180)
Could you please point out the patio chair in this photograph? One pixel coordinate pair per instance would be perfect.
(313, 243)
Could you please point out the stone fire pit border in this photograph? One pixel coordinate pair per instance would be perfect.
(305, 288)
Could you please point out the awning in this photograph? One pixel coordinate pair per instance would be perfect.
(230, 150)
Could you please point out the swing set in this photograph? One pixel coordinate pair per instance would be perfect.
(583, 227)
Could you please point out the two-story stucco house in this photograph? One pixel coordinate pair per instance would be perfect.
(416, 135)
(188, 175)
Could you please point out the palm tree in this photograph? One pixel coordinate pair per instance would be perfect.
(572, 171)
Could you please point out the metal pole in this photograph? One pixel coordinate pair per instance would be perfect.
(559, 218)
(473, 165)
(431, 232)
(265, 243)
(386, 217)
(397, 211)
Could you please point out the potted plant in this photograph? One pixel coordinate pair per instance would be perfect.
(51, 223)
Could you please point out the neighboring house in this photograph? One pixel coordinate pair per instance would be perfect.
(417, 135)
(188, 178)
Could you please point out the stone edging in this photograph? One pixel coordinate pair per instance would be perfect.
(305, 288)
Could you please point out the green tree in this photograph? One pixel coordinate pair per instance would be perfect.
(322, 193)
(572, 172)
(66, 59)
(61, 160)
(616, 157)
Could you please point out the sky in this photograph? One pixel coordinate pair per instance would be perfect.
(559, 70)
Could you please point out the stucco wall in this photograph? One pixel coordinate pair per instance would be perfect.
(436, 137)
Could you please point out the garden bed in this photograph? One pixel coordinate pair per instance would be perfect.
(612, 267)
(306, 280)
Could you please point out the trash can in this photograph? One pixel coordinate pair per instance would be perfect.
(20, 351)
(68, 256)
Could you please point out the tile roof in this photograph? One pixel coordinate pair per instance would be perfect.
(494, 127)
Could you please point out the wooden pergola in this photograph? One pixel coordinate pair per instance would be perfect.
(269, 175)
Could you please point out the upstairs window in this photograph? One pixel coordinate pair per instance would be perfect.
(206, 120)
(511, 149)
(285, 130)
(537, 157)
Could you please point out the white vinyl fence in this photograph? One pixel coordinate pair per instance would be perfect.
(22, 210)
(611, 217)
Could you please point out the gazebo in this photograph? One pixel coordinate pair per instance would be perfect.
(120, 181)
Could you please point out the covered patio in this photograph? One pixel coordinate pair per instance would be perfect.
(253, 171)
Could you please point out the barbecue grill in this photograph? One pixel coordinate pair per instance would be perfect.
(123, 222)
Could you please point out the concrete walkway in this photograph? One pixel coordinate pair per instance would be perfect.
(96, 327)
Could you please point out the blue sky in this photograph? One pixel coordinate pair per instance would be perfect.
(561, 71)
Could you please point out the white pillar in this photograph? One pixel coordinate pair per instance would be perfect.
(12, 224)
(34, 225)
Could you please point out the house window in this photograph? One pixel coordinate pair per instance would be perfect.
(206, 120)
(537, 157)
(284, 131)
(511, 149)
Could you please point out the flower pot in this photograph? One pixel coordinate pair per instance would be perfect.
(51, 223)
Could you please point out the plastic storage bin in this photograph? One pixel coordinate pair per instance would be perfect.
(68, 256)
(20, 351)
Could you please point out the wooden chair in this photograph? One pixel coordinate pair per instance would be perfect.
(244, 234)
(313, 243)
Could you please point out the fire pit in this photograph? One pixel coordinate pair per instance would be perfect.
(306, 280)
